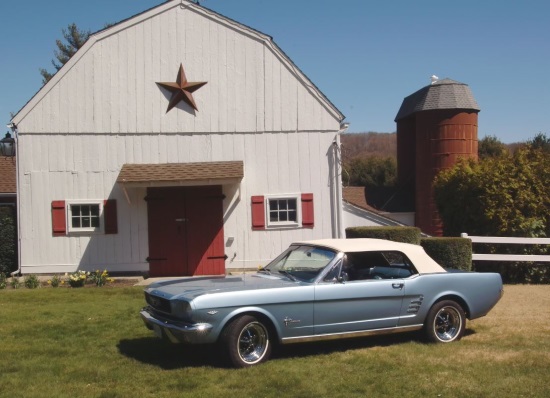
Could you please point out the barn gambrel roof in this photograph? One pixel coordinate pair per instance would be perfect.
(207, 13)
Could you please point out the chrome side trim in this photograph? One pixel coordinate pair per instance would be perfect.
(345, 335)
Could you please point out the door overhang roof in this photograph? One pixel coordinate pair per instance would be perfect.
(181, 174)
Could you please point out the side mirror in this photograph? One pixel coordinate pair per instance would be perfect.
(343, 277)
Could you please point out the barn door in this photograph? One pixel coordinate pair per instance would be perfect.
(205, 230)
(185, 231)
(167, 232)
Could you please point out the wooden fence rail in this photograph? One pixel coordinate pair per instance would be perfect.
(513, 241)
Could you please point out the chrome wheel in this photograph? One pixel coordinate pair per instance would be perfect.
(246, 341)
(447, 324)
(253, 343)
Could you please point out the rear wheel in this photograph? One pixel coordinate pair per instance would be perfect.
(445, 322)
(246, 341)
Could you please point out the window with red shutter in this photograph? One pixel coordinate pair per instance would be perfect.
(84, 217)
(283, 211)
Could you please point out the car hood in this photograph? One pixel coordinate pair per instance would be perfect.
(190, 288)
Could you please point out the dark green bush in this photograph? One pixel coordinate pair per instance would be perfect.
(450, 252)
(8, 239)
(396, 234)
(517, 272)
(31, 281)
(511, 271)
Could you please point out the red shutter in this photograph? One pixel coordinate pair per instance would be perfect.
(307, 210)
(110, 216)
(59, 219)
(258, 212)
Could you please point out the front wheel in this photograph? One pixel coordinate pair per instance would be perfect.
(445, 322)
(246, 341)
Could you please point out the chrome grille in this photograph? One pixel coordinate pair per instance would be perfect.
(158, 303)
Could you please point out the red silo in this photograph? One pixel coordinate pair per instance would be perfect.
(436, 126)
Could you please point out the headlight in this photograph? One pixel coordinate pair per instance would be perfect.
(181, 309)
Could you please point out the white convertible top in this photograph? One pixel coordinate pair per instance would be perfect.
(423, 263)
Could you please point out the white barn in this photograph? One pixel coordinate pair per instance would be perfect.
(110, 177)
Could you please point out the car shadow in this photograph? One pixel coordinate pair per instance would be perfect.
(164, 355)
(333, 346)
(156, 352)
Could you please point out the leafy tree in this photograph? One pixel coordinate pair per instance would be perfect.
(75, 39)
(499, 196)
(491, 146)
(371, 171)
(541, 141)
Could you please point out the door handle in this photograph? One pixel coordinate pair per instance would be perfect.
(217, 257)
(181, 219)
(149, 259)
(397, 285)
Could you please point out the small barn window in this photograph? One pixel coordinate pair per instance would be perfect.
(283, 211)
(85, 217)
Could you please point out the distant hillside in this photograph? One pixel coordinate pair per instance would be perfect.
(381, 145)
(369, 144)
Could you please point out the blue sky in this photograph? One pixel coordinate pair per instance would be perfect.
(365, 56)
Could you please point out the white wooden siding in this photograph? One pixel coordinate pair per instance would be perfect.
(88, 173)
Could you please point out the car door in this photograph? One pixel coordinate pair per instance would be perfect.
(357, 305)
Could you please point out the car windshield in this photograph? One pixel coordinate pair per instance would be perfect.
(302, 263)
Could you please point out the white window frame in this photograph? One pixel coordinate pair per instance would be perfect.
(284, 224)
(85, 230)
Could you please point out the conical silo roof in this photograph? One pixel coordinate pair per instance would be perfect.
(442, 94)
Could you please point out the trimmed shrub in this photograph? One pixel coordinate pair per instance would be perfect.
(453, 253)
(396, 234)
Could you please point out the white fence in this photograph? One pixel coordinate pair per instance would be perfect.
(509, 257)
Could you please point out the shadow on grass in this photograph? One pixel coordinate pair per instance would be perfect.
(153, 351)
(168, 356)
(333, 346)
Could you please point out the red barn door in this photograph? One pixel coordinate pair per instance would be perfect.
(185, 231)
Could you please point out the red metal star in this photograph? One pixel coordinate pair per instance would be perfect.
(181, 90)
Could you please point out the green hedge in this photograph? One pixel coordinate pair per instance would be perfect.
(450, 252)
(396, 234)
(517, 272)
(8, 239)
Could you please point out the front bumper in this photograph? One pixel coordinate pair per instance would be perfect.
(176, 332)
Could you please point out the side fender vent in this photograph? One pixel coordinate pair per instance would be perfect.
(415, 305)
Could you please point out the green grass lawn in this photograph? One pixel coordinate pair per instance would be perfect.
(90, 342)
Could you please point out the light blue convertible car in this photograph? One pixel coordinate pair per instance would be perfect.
(319, 290)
